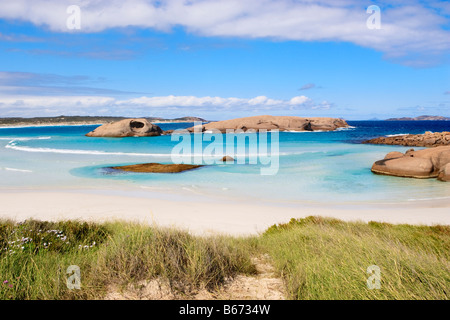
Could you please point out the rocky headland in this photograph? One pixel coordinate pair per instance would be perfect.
(428, 139)
(266, 122)
(426, 163)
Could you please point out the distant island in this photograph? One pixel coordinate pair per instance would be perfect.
(82, 120)
(420, 118)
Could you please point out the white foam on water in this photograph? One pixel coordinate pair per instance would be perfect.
(16, 170)
(24, 139)
(12, 145)
(345, 128)
(84, 152)
(397, 135)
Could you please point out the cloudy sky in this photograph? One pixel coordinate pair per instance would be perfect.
(224, 58)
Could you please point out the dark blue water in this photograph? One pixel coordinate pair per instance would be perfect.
(364, 129)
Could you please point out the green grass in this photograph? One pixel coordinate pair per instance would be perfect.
(317, 258)
(110, 254)
(328, 259)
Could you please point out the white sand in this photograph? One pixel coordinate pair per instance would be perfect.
(202, 217)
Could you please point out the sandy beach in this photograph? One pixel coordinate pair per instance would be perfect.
(205, 216)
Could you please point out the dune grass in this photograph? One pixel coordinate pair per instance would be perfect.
(107, 254)
(317, 258)
(328, 259)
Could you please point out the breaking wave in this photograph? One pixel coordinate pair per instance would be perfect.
(14, 146)
(397, 135)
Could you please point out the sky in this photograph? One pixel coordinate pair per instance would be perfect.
(221, 59)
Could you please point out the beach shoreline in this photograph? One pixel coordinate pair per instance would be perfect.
(203, 216)
(64, 185)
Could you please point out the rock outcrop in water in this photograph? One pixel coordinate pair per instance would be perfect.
(282, 123)
(127, 128)
(227, 159)
(157, 167)
(427, 163)
(428, 139)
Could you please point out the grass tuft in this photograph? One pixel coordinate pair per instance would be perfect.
(35, 256)
(321, 258)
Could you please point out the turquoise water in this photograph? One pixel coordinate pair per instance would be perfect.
(313, 166)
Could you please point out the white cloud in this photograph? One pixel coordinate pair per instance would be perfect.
(62, 102)
(298, 100)
(407, 27)
(92, 105)
(192, 101)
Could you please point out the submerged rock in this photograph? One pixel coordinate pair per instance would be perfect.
(127, 128)
(157, 167)
(427, 163)
(282, 123)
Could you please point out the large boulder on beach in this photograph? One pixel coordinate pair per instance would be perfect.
(127, 128)
(404, 167)
(282, 123)
(427, 163)
(444, 173)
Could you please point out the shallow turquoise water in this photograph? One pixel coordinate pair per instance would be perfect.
(317, 166)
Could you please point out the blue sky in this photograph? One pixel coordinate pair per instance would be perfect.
(221, 59)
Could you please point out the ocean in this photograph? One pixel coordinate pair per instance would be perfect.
(313, 167)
